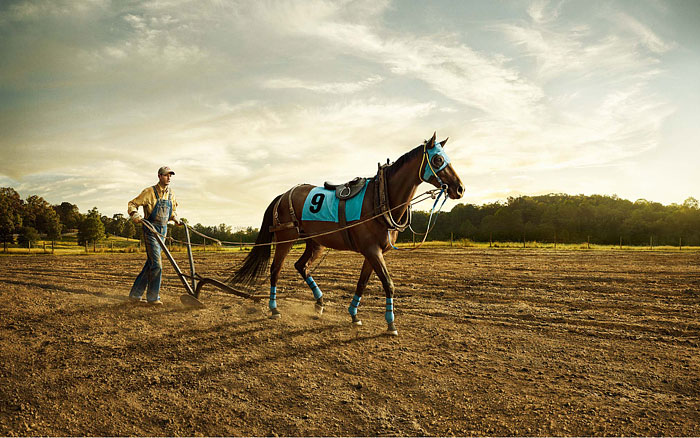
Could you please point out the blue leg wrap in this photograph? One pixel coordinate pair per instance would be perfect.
(353, 305)
(314, 287)
(389, 315)
(273, 297)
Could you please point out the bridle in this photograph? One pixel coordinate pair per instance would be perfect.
(434, 156)
(435, 160)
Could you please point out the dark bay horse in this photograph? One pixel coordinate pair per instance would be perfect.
(390, 190)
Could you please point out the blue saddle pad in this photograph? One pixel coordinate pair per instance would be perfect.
(322, 205)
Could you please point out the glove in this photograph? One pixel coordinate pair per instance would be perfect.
(177, 220)
(136, 218)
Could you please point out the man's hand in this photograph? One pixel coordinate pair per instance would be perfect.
(178, 221)
(136, 218)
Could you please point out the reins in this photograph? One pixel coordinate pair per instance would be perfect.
(430, 218)
(386, 211)
(415, 200)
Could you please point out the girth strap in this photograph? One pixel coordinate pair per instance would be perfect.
(342, 221)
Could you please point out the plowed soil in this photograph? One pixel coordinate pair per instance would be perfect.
(491, 342)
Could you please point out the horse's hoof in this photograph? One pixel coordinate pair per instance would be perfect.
(356, 320)
(391, 330)
(319, 309)
(275, 314)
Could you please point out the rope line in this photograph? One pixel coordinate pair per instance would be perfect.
(428, 228)
(415, 200)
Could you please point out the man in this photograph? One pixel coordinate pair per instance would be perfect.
(159, 207)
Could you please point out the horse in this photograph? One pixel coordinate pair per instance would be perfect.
(386, 196)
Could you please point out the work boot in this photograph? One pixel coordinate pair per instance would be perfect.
(155, 303)
(136, 300)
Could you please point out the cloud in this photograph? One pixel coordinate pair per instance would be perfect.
(247, 99)
(561, 46)
(329, 88)
(454, 70)
(647, 37)
(539, 12)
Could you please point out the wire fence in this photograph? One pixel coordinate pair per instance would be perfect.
(134, 246)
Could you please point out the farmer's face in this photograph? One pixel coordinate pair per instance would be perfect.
(164, 179)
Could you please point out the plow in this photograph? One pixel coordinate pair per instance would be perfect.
(194, 282)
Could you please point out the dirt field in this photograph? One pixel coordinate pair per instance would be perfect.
(491, 342)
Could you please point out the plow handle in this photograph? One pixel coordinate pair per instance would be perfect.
(189, 254)
(159, 238)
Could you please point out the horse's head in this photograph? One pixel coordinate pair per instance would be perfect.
(436, 168)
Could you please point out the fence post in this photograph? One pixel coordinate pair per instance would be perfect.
(620, 242)
(651, 242)
(451, 237)
(29, 247)
(86, 244)
(44, 247)
(680, 244)
(53, 244)
(490, 240)
(589, 242)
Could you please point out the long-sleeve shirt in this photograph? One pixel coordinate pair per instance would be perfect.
(147, 200)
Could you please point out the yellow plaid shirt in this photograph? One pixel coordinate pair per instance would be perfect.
(147, 200)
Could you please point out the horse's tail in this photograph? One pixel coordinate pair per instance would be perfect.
(256, 262)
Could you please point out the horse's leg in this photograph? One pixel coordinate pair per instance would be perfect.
(376, 259)
(311, 253)
(361, 285)
(281, 252)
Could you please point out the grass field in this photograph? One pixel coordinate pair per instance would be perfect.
(69, 245)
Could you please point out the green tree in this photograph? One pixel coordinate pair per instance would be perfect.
(129, 230)
(91, 228)
(27, 235)
(69, 215)
(114, 226)
(40, 215)
(10, 214)
(691, 203)
(52, 224)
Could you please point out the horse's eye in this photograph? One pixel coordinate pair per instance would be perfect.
(438, 161)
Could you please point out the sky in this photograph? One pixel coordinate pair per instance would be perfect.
(245, 99)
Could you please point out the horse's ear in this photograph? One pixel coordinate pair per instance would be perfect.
(431, 142)
(442, 143)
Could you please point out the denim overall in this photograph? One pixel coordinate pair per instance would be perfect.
(151, 273)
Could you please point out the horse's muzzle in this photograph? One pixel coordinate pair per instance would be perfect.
(456, 192)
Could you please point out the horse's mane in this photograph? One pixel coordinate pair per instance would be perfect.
(403, 159)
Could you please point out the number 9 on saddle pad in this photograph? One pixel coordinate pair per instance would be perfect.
(322, 205)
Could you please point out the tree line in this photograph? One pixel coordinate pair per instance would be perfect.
(24, 221)
(562, 218)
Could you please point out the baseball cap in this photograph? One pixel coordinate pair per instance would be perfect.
(165, 170)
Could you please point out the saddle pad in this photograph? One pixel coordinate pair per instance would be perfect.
(322, 205)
